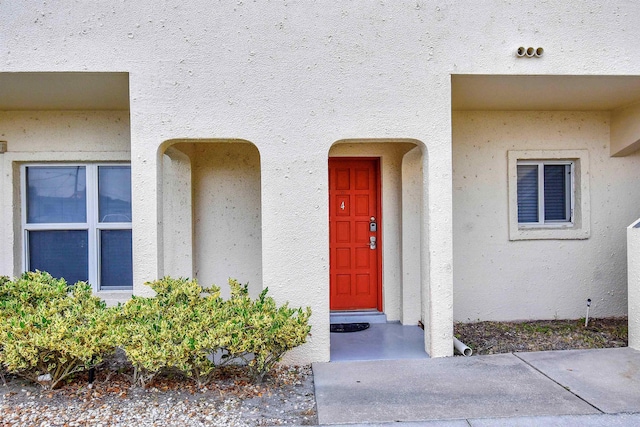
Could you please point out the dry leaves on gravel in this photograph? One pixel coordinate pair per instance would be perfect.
(285, 397)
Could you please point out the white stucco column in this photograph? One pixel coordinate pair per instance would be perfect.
(437, 241)
(6, 235)
(633, 283)
(177, 214)
(438, 265)
(145, 194)
(412, 211)
(295, 246)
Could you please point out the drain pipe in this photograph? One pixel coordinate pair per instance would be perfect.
(461, 347)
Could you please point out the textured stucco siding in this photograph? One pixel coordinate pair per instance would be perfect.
(177, 213)
(65, 131)
(496, 278)
(295, 77)
(633, 257)
(227, 221)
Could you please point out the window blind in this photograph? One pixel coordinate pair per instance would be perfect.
(555, 192)
(527, 193)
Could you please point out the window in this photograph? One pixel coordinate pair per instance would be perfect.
(545, 192)
(548, 194)
(77, 223)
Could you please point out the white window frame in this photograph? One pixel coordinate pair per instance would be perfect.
(92, 225)
(579, 226)
(569, 192)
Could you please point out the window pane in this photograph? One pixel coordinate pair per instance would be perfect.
(61, 253)
(116, 262)
(527, 193)
(555, 193)
(56, 194)
(114, 192)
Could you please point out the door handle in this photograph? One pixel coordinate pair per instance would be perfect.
(372, 242)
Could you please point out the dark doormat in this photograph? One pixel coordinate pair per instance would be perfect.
(349, 327)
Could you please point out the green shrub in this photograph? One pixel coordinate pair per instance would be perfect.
(4, 291)
(3, 297)
(259, 332)
(49, 330)
(188, 328)
(175, 329)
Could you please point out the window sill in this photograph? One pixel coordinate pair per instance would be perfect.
(546, 226)
(549, 233)
(112, 298)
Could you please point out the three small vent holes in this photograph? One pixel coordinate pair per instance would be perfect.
(529, 52)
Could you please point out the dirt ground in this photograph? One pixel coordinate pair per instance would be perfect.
(540, 335)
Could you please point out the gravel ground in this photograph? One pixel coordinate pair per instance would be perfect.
(285, 398)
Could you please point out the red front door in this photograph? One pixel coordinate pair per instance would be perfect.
(354, 233)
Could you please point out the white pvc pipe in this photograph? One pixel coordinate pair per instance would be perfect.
(461, 347)
(529, 52)
(586, 319)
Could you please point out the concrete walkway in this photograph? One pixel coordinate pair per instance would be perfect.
(575, 387)
(388, 341)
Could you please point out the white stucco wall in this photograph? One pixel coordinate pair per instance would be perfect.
(500, 279)
(212, 213)
(625, 130)
(227, 215)
(64, 131)
(293, 78)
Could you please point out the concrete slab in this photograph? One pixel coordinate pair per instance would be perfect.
(432, 423)
(432, 389)
(380, 342)
(609, 379)
(357, 316)
(564, 421)
(556, 421)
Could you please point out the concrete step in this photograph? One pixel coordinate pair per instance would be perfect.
(358, 317)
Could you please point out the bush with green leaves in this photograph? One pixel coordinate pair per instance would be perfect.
(174, 330)
(191, 329)
(3, 297)
(50, 330)
(258, 331)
